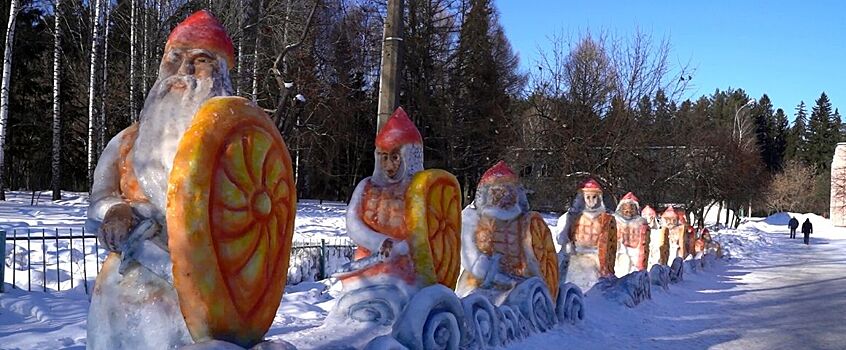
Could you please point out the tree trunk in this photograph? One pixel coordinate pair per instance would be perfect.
(56, 164)
(239, 70)
(144, 46)
(101, 142)
(133, 111)
(259, 12)
(92, 91)
(390, 71)
(4, 89)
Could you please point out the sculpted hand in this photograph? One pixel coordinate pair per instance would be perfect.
(387, 247)
(116, 226)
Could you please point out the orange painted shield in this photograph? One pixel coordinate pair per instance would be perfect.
(544, 250)
(230, 220)
(433, 219)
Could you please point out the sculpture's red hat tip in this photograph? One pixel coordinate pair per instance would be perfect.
(398, 131)
(500, 172)
(591, 185)
(202, 30)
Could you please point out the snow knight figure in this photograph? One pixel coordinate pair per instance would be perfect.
(195, 203)
(677, 233)
(502, 242)
(633, 234)
(659, 243)
(390, 216)
(587, 234)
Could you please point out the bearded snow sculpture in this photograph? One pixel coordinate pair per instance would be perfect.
(659, 242)
(196, 204)
(633, 235)
(587, 234)
(502, 242)
(677, 233)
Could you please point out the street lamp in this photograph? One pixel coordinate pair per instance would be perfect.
(737, 121)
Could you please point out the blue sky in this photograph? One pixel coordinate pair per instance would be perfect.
(790, 50)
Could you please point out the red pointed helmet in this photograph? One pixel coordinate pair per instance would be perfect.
(590, 185)
(630, 197)
(670, 212)
(648, 212)
(500, 172)
(398, 131)
(202, 31)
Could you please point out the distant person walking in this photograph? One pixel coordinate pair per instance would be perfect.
(807, 229)
(793, 224)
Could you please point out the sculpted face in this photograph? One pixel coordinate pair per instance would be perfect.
(592, 199)
(182, 69)
(502, 196)
(672, 220)
(390, 162)
(628, 210)
(200, 63)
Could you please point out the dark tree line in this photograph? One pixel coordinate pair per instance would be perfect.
(594, 106)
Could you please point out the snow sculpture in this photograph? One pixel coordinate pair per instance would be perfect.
(406, 223)
(633, 235)
(690, 237)
(196, 203)
(588, 238)
(837, 203)
(405, 220)
(706, 245)
(677, 233)
(659, 242)
(502, 242)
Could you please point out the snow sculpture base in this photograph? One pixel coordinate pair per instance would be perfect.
(677, 270)
(583, 270)
(570, 306)
(629, 290)
(660, 276)
(435, 318)
(140, 295)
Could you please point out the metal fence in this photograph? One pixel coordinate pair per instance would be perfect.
(67, 258)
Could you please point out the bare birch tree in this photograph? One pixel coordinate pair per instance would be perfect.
(92, 89)
(133, 24)
(56, 164)
(4, 88)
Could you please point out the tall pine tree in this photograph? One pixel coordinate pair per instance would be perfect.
(778, 145)
(822, 135)
(797, 136)
(481, 101)
(762, 114)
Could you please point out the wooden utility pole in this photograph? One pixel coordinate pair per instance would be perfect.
(390, 69)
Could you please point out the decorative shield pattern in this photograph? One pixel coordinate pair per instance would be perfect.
(544, 250)
(230, 220)
(433, 220)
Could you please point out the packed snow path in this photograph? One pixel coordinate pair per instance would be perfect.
(775, 293)
(782, 295)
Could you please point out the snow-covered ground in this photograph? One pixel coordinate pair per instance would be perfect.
(773, 293)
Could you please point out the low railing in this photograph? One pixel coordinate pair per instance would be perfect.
(67, 258)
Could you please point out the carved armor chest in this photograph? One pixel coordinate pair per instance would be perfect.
(587, 230)
(503, 237)
(631, 233)
(677, 234)
(383, 209)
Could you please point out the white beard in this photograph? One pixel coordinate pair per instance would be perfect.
(498, 213)
(166, 116)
